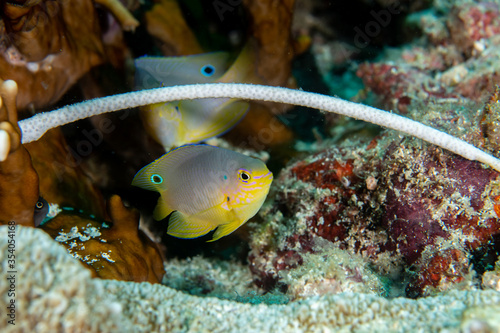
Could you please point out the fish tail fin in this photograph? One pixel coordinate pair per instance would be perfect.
(180, 226)
(226, 229)
(229, 114)
(243, 68)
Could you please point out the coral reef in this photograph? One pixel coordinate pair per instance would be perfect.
(48, 45)
(459, 61)
(209, 277)
(18, 178)
(403, 207)
(62, 296)
(491, 279)
(112, 250)
(364, 230)
(166, 24)
(62, 181)
(491, 122)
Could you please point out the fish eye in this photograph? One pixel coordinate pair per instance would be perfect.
(39, 205)
(156, 179)
(244, 176)
(208, 70)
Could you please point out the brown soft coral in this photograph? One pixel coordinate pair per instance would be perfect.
(62, 179)
(271, 23)
(166, 24)
(116, 250)
(18, 178)
(49, 44)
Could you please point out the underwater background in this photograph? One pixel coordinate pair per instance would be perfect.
(362, 229)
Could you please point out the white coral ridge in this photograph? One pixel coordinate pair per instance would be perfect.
(48, 291)
(33, 128)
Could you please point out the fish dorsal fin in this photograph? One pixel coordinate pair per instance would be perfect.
(155, 72)
(183, 153)
(226, 229)
(179, 225)
(215, 121)
(163, 166)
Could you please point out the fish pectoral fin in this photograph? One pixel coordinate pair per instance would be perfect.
(181, 226)
(226, 229)
(219, 121)
(162, 210)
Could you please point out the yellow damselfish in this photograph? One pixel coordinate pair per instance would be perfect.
(176, 123)
(204, 187)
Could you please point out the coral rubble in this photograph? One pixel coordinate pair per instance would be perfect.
(62, 296)
(404, 208)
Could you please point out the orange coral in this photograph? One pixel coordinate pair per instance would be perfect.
(496, 207)
(166, 23)
(48, 45)
(260, 129)
(62, 179)
(271, 23)
(116, 250)
(18, 178)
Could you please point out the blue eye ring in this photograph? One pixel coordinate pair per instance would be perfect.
(208, 70)
(156, 179)
(244, 175)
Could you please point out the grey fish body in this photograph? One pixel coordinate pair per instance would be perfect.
(206, 187)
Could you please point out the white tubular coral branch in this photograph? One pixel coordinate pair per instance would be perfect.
(33, 128)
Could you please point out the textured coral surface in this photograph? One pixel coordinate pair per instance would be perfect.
(62, 296)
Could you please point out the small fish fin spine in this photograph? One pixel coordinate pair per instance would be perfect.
(226, 229)
(180, 226)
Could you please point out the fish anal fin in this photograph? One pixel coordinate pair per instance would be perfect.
(226, 229)
(181, 226)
